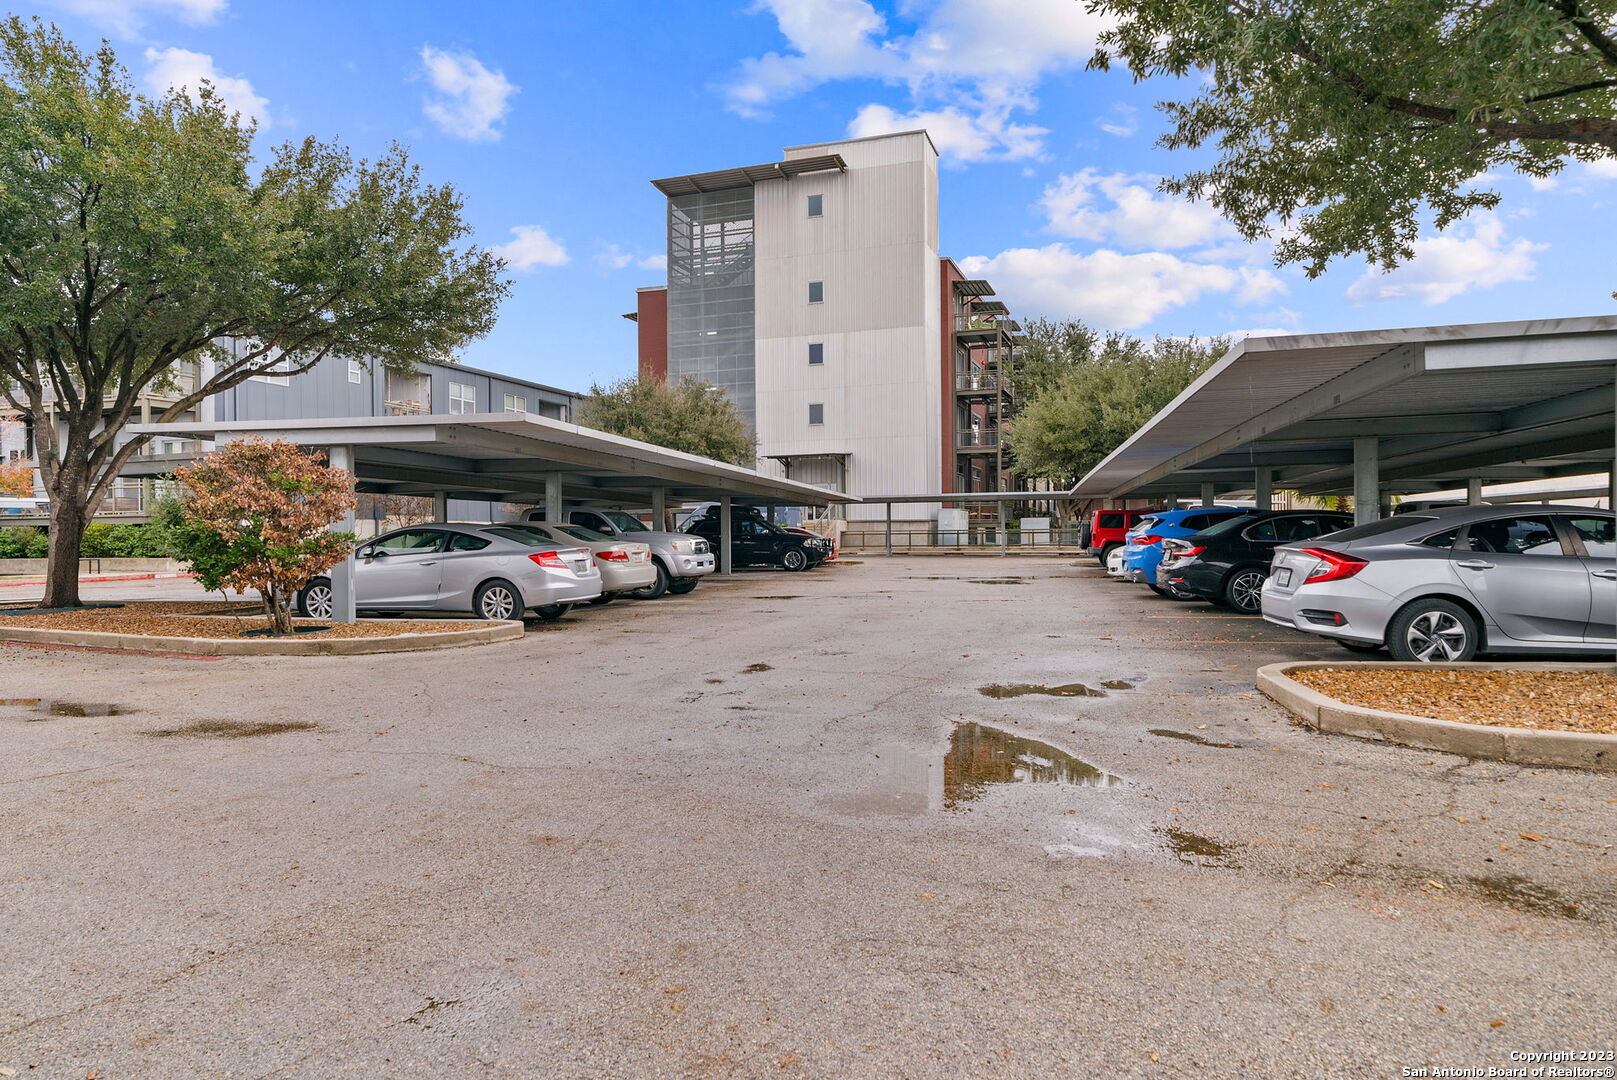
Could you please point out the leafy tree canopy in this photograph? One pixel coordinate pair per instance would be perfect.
(1342, 124)
(692, 416)
(1083, 392)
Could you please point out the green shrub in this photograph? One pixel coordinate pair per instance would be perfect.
(25, 542)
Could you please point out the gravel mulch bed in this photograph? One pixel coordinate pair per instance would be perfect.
(177, 618)
(1549, 700)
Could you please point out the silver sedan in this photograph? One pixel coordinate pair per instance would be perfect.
(492, 571)
(625, 565)
(1446, 584)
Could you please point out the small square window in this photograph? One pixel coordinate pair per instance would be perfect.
(816, 413)
(816, 353)
(462, 398)
(816, 292)
(816, 205)
(356, 371)
(516, 403)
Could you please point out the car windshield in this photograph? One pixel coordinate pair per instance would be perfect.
(522, 535)
(579, 532)
(625, 522)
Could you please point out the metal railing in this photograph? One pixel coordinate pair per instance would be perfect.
(981, 380)
(982, 539)
(977, 438)
(405, 408)
(973, 323)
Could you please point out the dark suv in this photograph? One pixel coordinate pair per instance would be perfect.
(756, 540)
(1229, 562)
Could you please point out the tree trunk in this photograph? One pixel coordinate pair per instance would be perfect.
(68, 520)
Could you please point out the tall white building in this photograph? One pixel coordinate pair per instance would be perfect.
(812, 292)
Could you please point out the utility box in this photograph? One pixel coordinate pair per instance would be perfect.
(953, 528)
(1036, 530)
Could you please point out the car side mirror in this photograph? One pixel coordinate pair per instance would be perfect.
(374, 553)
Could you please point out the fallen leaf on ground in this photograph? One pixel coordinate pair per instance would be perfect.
(1529, 836)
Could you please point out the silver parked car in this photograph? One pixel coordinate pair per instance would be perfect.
(492, 571)
(625, 565)
(681, 559)
(1446, 584)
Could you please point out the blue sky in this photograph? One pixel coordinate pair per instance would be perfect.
(550, 118)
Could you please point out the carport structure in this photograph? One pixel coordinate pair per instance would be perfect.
(1380, 412)
(502, 457)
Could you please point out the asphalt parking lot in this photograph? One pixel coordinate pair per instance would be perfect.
(769, 829)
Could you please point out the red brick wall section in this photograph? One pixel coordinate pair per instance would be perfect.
(653, 324)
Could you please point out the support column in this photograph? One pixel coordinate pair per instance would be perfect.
(440, 506)
(1209, 495)
(726, 535)
(659, 510)
(342, 575)
(1366, 480)
(553, 496)
(1473, 491)
(1004, 537)
(1263, 488)
(889, 528)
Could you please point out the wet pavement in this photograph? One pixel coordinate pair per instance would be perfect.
(805, 843)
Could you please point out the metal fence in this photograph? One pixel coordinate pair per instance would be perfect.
(981, 539)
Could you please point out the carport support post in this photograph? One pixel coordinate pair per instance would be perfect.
(1473, 491)
(1263, 488)
(1004, 537)
(342, 575)
(553, 496)
(726, 529)
(1366, 480)
(659, 510)
(440, 506)
(889, 528)
(1209, 495)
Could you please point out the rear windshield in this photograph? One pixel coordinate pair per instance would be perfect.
(579, 532)
(1376, 528)
(1109, 521)
(1229, 524)
(1145, 524)
(530, 537)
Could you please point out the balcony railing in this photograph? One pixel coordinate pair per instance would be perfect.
(977, 438)
(981, 380)
(963, 323)
(405, 408)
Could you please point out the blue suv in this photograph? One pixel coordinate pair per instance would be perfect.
(1143, 549)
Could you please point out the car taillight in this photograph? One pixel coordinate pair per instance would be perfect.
(1187, 552)
(551, 559)
(1148, 538)
(1336, 565)
(613, 556)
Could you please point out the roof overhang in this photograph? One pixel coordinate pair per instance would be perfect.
(748, 175)
(503, 458)
(1490, 401)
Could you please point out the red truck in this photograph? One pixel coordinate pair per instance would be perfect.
(1106, 529)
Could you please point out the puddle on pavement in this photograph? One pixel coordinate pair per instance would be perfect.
(980, 756)
(1524, 894)
(1000, 691)
(1190, 737)
(67, 708)
(998, 581)
(1196, 849)
(753, 669)
(789, 596)
(232, 729)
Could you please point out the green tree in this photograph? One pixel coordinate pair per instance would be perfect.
(138, 235)
(1343, 124)
(692, 416)
(1088, 392)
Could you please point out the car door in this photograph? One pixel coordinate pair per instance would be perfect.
(465, 567)
(1525, 577)
(591, 520)
(1596, 534)
(753, 542)
(401, 569)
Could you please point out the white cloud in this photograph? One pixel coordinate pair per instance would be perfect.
(967, 64)
(653, 262)
(1603, 169)
(1120, 120)
(1127, 210)
(182, 69)
(612, 257)
(126, 17)
(1109, 289)
(471, 100)
(959, 136)
(532, 247)
(1473, 255)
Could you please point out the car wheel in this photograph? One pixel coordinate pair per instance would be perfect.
(497, 600)
(793, 559)
(1106, 552)
(656, 588)
(1358, 646)
(604, 598)
(1243, 590)
(681, 586)
(1428, 631)
(552, 612)
(317, 601)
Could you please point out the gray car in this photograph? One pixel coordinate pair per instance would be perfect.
(681, 559)
(1444, 585)
(492, 571)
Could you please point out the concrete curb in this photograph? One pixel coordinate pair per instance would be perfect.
(481, 634)
(1525, 746)
(102, 578)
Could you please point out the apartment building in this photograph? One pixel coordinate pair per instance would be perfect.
(811, 290)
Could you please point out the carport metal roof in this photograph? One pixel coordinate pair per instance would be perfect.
(1489, 401)
(504, 458)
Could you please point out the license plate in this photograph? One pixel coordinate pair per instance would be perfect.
(1282, 576)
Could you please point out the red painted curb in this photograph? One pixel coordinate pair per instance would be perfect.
(101, 579)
